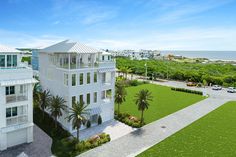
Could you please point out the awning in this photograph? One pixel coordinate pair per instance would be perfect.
(17, 82)
(106, 70)
(94, 111)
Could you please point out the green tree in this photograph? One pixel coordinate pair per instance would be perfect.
(120, 95)
(56, 107)
(44, 100)
(142, 100)
(78, 114)
(36, 94)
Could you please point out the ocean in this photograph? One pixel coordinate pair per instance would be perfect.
(212, 55)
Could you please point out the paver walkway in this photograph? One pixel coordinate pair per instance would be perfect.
(138, 141)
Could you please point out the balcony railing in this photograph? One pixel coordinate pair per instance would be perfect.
(16, 98)
(17, 120)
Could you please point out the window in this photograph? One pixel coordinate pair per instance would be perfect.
(14, 60)
(81, 78)
(16, 115)
(95, 77)
(88, 98)
(95, 95)
(11, 60)
(11, 112)
(10, 90)
(108, 94)
(81, 99)
(103, 58)
(14, 111)
(73, 100)
(73, 80)
(66, 79)
(103, 96)
(8, 112)
(2, 60)
(88, 78)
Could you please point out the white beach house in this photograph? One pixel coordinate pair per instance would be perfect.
(16, 108)
(77, 72)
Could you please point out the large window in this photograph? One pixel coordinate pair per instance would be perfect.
(95, 77)
(16, 115)
(11, 112)
(88, 78)
(88, 98)
(66, 79)
(2, 60)
(10, 90)
(95, 97)
(73, 100)
(81, 100)
(73, 80)
(81, 78)
(11, 60)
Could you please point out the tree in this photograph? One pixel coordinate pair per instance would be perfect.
(44, 100)
(125, 71)
(77, 115)
(142, 99)
(56, 107)
(36, 94)
(120, 95)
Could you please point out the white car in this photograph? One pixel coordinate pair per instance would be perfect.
(231, 90)
(216, 87)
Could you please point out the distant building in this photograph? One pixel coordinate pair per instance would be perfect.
(137, 55)
(77, 72)
(16, 102)
(35, 59)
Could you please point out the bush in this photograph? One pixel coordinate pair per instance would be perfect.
(129, 120)
(88, 124)
(187, 91)
(99, 120)
(135, 83)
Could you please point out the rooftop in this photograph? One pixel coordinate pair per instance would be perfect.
(4, 49)
(70, 47)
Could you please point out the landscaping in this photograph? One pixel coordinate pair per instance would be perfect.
(187, 90)
(63, 143)
(212, 135)
(165, 101)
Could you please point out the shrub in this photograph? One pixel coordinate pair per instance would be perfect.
(187, 91)
(99, 120)
(135, 83)
(129, 120)
(88, 124)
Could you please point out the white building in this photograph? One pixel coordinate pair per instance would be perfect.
(77, 72)
(16, 108)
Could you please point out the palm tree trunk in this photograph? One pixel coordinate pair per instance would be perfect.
(55, 122)
(142, 117)
(78, 134)
(118, 109)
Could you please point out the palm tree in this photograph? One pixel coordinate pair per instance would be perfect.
(56, 107)
(78, 114)
(120, 95)
(44, 100)
(36, 94)
(143, 99)
(125, 71)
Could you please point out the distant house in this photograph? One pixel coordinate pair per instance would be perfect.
(16, 102)
(80, 73)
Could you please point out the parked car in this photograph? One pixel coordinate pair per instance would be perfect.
(231, 90)
(216, 87)
(191, 84)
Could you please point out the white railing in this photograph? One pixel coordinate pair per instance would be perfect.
(17, 120)
(16, 98)
(110, 64)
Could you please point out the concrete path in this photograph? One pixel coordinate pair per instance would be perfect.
(138, 141)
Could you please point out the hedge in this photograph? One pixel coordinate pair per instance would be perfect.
(187, 91)
(126, 118)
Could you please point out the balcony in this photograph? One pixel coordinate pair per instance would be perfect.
(17, 120)
(16, 98)
(107, 64)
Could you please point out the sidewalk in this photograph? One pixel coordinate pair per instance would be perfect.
(153, 133)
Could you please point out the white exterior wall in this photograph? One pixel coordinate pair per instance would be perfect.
(15, 134)
(57, 87)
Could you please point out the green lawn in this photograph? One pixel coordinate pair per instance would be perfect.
(212, 135)
(165, 101)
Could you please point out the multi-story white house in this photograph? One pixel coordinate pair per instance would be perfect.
(77, 72)
(16, 108)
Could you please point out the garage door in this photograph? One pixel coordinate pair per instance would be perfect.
(16, 137)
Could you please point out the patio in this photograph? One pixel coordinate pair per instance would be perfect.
(114, 128)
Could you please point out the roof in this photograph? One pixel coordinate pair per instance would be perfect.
(4, 48)
(71, 47)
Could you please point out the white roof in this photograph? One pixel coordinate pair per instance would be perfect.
(67, 46)
(4, 48)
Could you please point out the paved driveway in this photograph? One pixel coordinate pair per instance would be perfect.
(41, 147)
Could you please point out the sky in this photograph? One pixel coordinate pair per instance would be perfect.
(120, 24)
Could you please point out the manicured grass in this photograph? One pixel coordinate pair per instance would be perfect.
(165, 101)
(212, 135)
